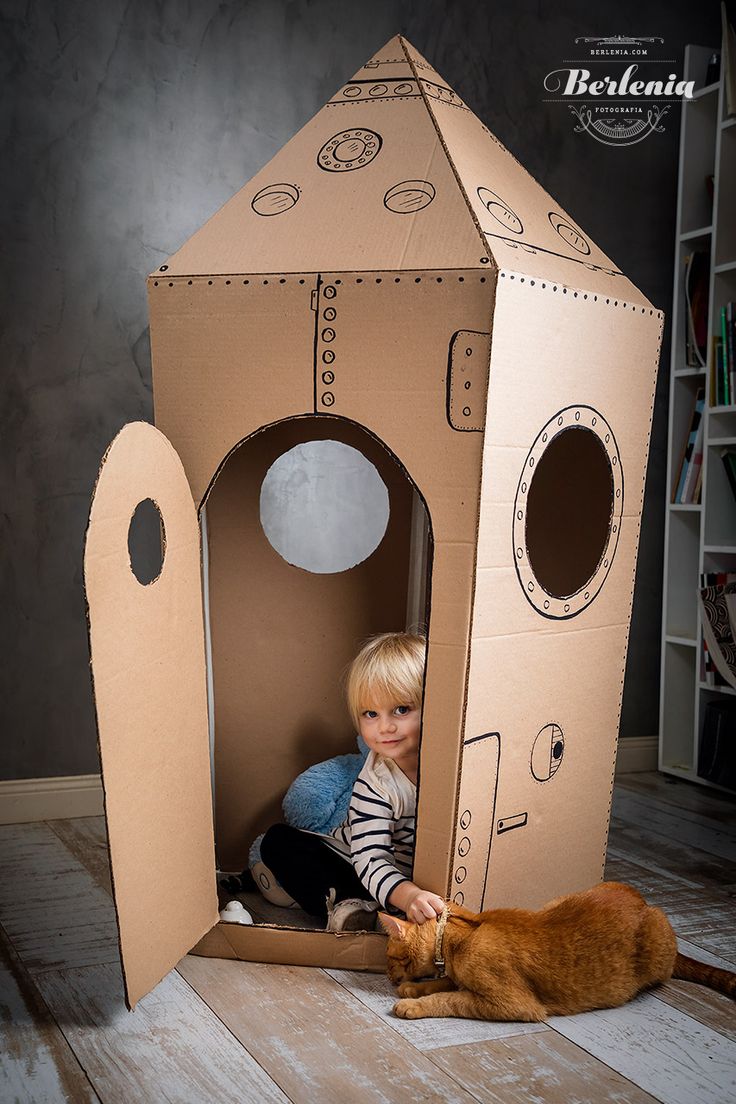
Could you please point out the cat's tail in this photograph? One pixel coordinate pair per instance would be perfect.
(689, 969)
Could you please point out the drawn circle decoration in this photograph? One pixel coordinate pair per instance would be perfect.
(348, 150)
(409, 196)
(567, 512)
(547, 751)
(274, 199)
(499, 210)
(323, 506)
(569, 233)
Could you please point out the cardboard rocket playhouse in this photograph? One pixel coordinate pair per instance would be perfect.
(395, 281)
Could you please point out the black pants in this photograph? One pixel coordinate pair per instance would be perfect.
(308, 868)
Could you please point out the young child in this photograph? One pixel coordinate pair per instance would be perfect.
(366, 861)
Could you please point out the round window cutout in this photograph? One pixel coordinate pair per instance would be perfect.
(324, 507)
(567, 512)
(146, 542)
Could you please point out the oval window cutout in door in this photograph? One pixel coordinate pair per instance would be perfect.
(324, 507)
(146, 542)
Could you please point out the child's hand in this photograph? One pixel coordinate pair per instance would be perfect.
(424, 906)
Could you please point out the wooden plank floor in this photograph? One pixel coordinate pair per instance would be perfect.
(216, 1030)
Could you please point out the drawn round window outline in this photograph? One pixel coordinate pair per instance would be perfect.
(561, 606)
(323, 507)
(146, 543)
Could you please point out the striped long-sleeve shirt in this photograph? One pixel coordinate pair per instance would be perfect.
(378, 833)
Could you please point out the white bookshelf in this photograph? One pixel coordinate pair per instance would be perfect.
(702, 537)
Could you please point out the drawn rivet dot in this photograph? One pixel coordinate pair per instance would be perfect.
(519, 514)
(459, 897)
(577, 415)
(352, 91)
(618, 492)
(329, 314)
(463, 847)
(264, 880)
(467, 385)
(328, 398)
(328, 334)
(460, 875)
(468, 352)
(519, 552)
(530, 586)
(605, 563)
(608, 437)
(586, 595)
(466, 411)
(328, 377)
(465, 819)
(531, 461)
(546, 603)
(544, 436)
(523, 488)
(328, 356)
(614, 460)
(330, 292)
(593, 422)
(567, 607)
(560, 420)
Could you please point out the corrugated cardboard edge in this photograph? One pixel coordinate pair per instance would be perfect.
(484, 244)
(295, 947)
(655, 373)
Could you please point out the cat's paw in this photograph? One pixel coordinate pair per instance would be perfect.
(408, 1010)
(408, 989)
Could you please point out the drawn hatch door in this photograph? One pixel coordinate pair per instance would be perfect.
(149, 677)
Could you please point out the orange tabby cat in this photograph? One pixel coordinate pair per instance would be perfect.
(596, 949)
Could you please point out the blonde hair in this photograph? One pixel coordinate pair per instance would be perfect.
(389, 667)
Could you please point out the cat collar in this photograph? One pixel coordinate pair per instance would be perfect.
(439, 961)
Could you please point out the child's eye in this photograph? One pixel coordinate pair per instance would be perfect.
(370, 713)
(402, 710)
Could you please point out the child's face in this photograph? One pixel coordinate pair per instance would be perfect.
(392, 730)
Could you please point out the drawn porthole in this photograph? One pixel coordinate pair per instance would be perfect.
(567, 512)
(349, 150)
(547, 752)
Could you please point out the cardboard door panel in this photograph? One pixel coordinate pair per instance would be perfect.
(148, 664)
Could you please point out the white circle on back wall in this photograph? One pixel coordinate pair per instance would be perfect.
(324, 507)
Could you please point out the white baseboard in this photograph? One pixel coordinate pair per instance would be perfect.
(27, 799)
(636, 753)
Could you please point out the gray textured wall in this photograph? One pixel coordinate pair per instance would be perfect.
(125, 124)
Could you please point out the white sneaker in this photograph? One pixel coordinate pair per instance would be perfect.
(354, 914)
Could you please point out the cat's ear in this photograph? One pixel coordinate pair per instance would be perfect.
(392, 926)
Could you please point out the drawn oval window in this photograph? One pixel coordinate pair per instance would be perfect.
(146, 542)
(569, 511)
(324, 507)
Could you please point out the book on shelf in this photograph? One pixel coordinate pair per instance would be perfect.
(728, 457)
(716, 371)
(692, 454)
(707, 667)
(697, 273)
(725, 365)
(717, 601)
